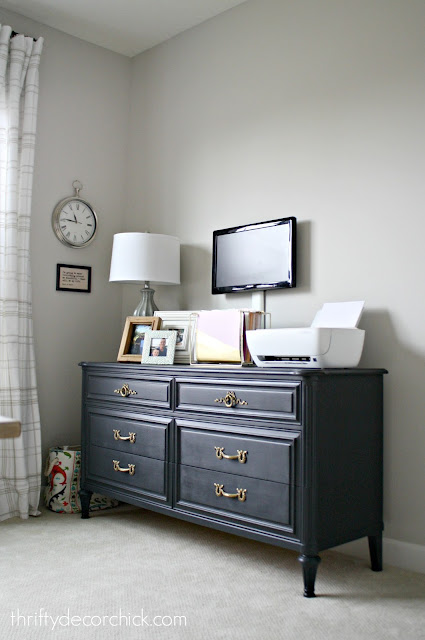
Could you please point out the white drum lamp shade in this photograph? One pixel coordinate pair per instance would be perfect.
(145, 257)
(141, 257)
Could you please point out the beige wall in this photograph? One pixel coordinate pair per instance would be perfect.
(81, 134)
(312, 109)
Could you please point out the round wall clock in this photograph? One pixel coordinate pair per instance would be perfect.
(74, 220)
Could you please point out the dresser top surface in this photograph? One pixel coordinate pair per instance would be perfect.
(244, 372)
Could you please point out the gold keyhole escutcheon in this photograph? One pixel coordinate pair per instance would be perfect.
(125, 391)
(231, 400)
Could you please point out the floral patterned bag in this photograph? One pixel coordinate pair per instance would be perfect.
(62, 469)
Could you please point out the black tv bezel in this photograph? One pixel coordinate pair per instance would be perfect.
(265, 286)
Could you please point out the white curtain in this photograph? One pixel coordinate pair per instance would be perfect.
(20, 458)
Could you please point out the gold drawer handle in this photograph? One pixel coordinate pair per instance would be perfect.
(125, 391)
(240, 495)
(231, 400)
(131, 436)
(130, 469)
(241, 456)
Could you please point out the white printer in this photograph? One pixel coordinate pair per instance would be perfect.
(333, 340)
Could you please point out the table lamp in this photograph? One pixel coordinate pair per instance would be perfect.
(145, 258)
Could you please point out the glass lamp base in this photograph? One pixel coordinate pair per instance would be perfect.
(146, 306)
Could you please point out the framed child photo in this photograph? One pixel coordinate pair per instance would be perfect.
(179, 321)
(134, 335)
(159, 347)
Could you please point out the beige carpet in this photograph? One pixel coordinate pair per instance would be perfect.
(112, 575)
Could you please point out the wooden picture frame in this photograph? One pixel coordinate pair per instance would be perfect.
(152, 347)
(179, 321)
(133, 337)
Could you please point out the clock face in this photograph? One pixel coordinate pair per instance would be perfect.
(74, 222)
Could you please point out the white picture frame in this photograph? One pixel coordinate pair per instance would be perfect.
(181, 322)
(151, 347)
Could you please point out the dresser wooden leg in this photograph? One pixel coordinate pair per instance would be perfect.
(375, 550)
(85, 497)
(309, 564)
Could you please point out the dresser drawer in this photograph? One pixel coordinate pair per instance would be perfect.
(145, 436)
(268, 458)
(251, 399)
(270, 503)
(127, 390)
(148, 476)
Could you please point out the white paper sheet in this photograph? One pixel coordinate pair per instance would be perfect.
(339, 314)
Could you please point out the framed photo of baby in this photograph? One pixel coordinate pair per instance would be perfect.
(159, 347)
(181, 322)
(133, 337)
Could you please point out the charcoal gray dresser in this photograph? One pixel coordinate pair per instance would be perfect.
(290, 457)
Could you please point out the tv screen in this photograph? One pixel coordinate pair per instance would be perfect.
(255, 256)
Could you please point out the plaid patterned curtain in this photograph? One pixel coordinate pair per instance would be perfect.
(20, 458)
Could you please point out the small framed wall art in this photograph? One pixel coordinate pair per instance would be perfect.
(70, 277)
(159, 347)
(134, 335)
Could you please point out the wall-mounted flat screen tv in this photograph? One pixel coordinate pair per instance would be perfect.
(255, 256)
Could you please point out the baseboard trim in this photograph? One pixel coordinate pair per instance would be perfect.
(396, 553)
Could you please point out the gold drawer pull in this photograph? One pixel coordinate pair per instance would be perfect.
(130, 469)
(241, 456)
(131, 436)
(125, 391)
(240, 495)
(231, 400)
